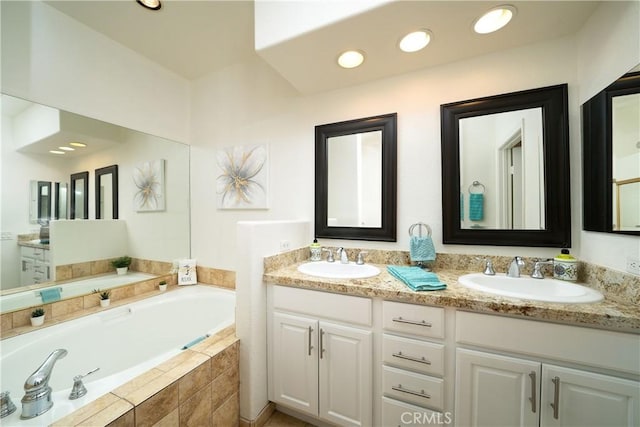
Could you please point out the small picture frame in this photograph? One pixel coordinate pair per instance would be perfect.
(187, 272)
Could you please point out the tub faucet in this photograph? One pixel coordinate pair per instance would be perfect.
(37, 397)
(514, 268)
(344, 259)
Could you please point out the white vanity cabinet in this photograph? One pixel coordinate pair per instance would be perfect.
(35, 265)
(495, 389)
(413, 368)
(320, 354)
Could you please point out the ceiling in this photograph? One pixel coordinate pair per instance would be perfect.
(194, 38)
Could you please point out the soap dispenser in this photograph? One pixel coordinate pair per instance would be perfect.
(565, 266)
(316, 251)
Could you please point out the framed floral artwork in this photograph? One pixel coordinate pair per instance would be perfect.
(242, 180)
(149, 181)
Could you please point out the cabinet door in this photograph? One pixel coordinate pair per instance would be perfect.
(345, 375)
(295, 362)
(584, 399)
(493, 390)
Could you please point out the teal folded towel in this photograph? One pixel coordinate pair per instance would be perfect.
(421, 249)
(50, 295)
(476, 206)
(416, 278)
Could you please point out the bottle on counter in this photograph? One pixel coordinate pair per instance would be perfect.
(565, 266)
(316, 251)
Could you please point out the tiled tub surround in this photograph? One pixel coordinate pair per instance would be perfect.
(18, 322)
(619, 311)
(199, 386)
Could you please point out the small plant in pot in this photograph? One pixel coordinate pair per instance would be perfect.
(37, 317)
(121, 264)
(162, 285)
(105, 297)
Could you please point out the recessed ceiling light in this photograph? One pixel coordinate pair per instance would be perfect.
(56, 152)
(150, 4)
(78, 144)
(494, 19)
(66, 148)
(351, 59)
(415, 41)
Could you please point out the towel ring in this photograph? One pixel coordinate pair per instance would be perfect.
(477, 184)
(420, 225)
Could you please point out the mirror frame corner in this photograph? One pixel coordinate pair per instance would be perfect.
(554, 102)
(387, 123)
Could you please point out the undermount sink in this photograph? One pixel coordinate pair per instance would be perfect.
(525, 287)
(337, 270)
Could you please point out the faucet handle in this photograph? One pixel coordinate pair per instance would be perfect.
(79, 389)
(537, 267)
(6, 405)
(360, 257)
(488, 267)
(330, 257)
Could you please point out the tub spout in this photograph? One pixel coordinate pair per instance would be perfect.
(37, 397)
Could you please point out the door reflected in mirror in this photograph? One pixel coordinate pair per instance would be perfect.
(40, 201)
(502, 171)
(354, 197)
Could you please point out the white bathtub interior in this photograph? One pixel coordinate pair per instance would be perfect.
(123, 342)
(30, 298)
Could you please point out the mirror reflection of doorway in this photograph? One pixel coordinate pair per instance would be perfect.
(512, 203)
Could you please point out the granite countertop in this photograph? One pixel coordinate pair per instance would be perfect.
(609, 314)
(33, 244)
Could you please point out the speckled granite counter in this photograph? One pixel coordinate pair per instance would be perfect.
(609, 314)
(34, 244)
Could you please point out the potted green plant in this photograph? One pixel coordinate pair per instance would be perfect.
(162, 285)
(37, 317)
(105, 297)
(121, 264)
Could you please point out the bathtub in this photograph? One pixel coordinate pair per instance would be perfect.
(31, 298)
(123, 342)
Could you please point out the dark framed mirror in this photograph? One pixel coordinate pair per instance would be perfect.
(79, 199)
(106, 194)
(611, 158)
(355, 179)
(505, 169)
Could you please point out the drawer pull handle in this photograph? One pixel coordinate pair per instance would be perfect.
(412, 322)
(532, 375)
(556, 396)
(415, 393)
(399, 355)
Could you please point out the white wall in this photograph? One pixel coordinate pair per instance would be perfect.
(260, 107)
(49, 58)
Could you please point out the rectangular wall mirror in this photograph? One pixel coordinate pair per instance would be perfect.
(356, 179)
(505, 169)
(79, 196)
(40, 201)
(61, 210)
(611, 158)
(106, 194)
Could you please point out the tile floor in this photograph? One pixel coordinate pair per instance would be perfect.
(278, 419)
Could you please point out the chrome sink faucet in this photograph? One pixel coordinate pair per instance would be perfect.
(343, 255)
(37, 397)
(514, 268)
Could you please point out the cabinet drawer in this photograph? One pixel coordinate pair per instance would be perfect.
(401, 414)
(417, 355)
(413, 319)
(412, 387)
